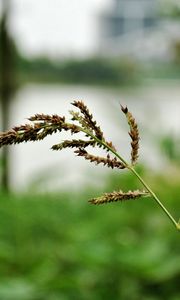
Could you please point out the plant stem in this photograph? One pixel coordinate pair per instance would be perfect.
(155, 198)
(176, 224)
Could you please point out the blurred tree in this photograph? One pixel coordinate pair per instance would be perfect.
(7, 83)
(170, 8)
(176, 48)
(170, 147)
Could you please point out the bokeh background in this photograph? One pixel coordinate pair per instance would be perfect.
(53, 244)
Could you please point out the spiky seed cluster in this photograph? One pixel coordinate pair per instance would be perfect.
(73, 144)
(54, 122)
(134, 134)
(88, 119)
(47, 118)
(85, 119)
(87, 122)
(106, 161)
(118, 196)
(43, 125)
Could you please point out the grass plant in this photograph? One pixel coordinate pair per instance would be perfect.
(82, 122)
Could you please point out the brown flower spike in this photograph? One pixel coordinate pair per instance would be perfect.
(134, 134)
(88, 119)
(118, 196)
(43, 125)
(106, 161)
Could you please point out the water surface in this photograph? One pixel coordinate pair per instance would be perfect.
(156, 107)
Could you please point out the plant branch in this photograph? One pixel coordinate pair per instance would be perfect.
(46, 125)
(154, 196)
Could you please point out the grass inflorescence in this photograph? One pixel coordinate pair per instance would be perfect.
(82, 121)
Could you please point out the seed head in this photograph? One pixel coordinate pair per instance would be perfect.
(118, 196)
(106, 161)
(134, 134)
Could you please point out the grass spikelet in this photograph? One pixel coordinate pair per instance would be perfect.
(134, 134)
(43, 125)
(76, 116)
(37, 131)
(87, 122)
(118, 196)
(106, 161)
(53, 119)
(88, 119)
(73, 144)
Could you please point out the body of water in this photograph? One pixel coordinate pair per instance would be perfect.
(156, 107)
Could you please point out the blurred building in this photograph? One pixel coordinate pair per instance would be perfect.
(127, 16)
(134, 27)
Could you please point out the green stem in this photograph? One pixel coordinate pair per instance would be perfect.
(130, 167)
(155, 198)
(176, 224)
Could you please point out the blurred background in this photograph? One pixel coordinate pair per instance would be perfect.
(53, 244)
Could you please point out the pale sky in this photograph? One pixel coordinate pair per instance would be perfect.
(56, 27)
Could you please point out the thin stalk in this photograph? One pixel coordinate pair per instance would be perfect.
(130, 167)
(176, 224)
(155, 198)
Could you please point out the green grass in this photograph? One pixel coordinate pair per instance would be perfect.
(57, 246)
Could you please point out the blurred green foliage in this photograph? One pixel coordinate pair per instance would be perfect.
(176, 50)
(58, 246)
(169, 9)
(170, 147)
(88, 71)
(95, 70)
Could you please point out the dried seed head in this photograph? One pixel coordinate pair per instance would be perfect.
(73, 144)
(77, 117)
(118, 196)
(88, 119)
(43, 125)
(54, 119)
(87, 122)
(134, 134)
(106, 161)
